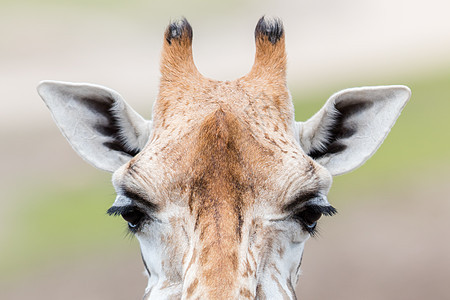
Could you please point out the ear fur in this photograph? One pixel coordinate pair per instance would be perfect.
(101, 127)
(351, 126)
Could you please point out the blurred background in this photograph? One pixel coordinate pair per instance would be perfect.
(390, 239)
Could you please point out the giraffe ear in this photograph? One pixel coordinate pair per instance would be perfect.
(351, 126)
(100, 126)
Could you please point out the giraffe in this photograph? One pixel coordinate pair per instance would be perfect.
(222, 187)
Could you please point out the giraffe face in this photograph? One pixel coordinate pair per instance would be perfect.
(222, 188)
(221, 205)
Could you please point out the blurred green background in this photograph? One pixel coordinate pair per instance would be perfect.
(391, 237)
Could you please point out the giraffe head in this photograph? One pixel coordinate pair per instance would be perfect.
(222, 187)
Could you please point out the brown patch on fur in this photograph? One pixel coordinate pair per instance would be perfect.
(281, 251)
(165, 284)
(260, 295)
(191, 288)
(244, 292)
(248, 272)
(183, 260)
(217, 196)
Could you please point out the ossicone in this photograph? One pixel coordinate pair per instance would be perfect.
(177, 61)
(270, 57)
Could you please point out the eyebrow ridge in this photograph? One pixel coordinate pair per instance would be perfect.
(300, 198)
(138, 198)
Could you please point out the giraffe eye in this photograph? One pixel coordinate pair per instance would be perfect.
(133, 217)
(131, 214)
(309, 216)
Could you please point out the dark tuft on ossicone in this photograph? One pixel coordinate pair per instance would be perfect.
(270, 27)
(177, 30)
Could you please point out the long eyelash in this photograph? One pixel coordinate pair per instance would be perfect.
(130, 232)
(117, 210)
(313, 232)
(324, 210)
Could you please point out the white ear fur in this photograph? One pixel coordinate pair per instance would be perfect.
(351, 126)
(101, 127)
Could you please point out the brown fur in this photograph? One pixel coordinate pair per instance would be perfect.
(218, 188)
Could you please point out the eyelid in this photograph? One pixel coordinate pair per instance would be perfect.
(122, 201)
(299, 204)
(317, 201)
(134, 196)
(300, 198)
(128, 197)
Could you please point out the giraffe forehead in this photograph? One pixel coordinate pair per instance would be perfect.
(220, 140)
(265, 104)
(222, 156)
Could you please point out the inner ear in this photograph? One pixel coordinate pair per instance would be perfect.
(340, 127)
(120, 131)
(351, 126)
(101, 127)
